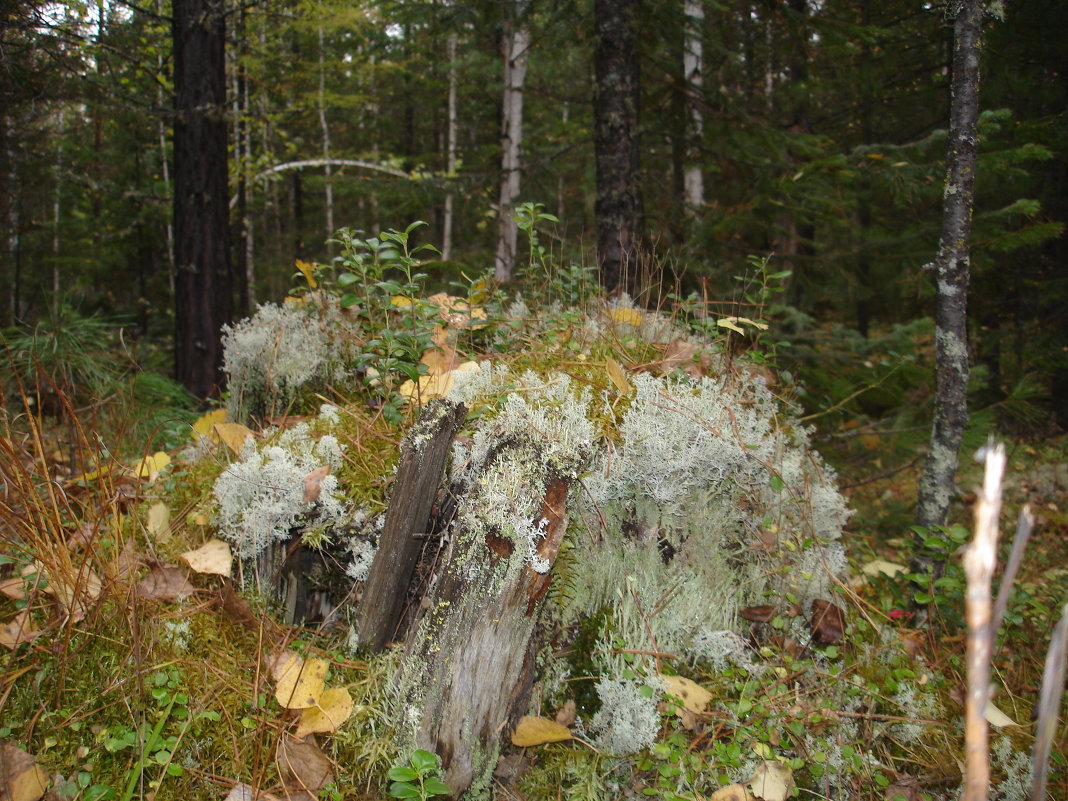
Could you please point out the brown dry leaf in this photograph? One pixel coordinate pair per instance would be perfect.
(158, 522)
(566, 714)
(124, 566)
(732, 792)
(303, 766)
(828, 622)
(233, 435)
(333, 709)
(537, 731)
(300, 681)
(313, 483)
(440, 360)
(17, 631)
(75, 592)
(758, 614)
(772, 781)
(21, 778)
(242, 792)
(13, 587)
(618, 377)
(213, 557)
(165, 583)
(236, 608)
(676, 353)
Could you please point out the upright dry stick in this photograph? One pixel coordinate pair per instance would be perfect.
(979, 562)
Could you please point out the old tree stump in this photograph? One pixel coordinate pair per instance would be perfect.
(469, 661)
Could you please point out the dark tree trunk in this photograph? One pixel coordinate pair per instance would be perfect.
(951, 272)
(618, 208)
(203, 299)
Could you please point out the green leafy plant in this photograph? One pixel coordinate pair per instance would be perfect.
(420, 778)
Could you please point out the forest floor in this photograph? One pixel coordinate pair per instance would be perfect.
(135, 667)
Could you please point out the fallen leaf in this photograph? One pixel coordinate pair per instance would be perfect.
(433, 386)
(308, 271)
(75, 592)
(772, 781)
(618, 377)
(242, 792)
(17, 631)
(205, 426)
(233, 436)
(758, 614)
(677, 352)
(995, 717)
(627, 316)
(728, 322)
(158, 522)
(828, 622)
(440, 360)
(881, 566)
(300, 681)
(165, 583)
(313, 483)
(238, 609)
(537, 731)
(333, 709)
(151, 466)
(732, 792)
(303, 766)
(125, 565)
(566, 714)
(21, 778)
(213, 557)
(13, 587)
(694, 698)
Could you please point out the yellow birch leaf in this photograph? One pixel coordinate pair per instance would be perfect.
(401, 301)
(205, 426)
(619, 378)
(628, 316)
(772, 781)
(213, 557)
(300, 681)
(995, 717)
(537, 731)
(233, 435)
(728, 322)
(754, 323)
(334, 708)
(151, 466)
(158, 523)
(308, 271)
(878, 566)
(21, 778)
(694, 697)
(732, 792)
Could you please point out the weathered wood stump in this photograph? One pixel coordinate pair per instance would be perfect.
(469, 663)
(422, 463)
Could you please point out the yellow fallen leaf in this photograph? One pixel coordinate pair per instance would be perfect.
(151, 466)
(433, 386)
(772, 781)
(17, 631)
(440, 360)
(204, 426)
(995, 717)
(619, 378)
(878, 566)
(233, 435)
(628, 316)
(308, 271)
(158, 522)
(213, 556)
(732, 323)
(537, 731)
(728, 322)
(401, 301)
(732, 792)
(300, 681)
(21, 778)
(694, 697)
(333, 709)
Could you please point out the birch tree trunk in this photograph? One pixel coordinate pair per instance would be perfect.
(516, 51)
(450, 147)
(693, 76)
(951, 273)
(328, 167)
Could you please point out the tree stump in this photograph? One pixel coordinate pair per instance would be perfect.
(422, 463)
(469, 663)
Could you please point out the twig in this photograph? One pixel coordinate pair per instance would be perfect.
(1023, 533)
(1049, 704)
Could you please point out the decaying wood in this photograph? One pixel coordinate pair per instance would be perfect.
(469, 664)
(422, 463)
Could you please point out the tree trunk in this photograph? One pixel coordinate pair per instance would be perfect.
(450, 147)
(203, 299)
(516, 52)
(951, 272)
(325, 127)
(422, 464)
(618, 208)
(693, 82)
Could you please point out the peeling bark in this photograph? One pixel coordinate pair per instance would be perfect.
(951, 272)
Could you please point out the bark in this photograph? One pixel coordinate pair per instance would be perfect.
(325, 127)
(618, 208)
(516, 52)
(203, 283)
(451, 132)
(693, 77)
(951, 272)
(419, 474)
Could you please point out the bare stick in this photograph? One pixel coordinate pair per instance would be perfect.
(979, 562)
(1049, 704)
(1023, 533)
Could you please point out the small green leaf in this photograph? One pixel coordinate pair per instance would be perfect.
(404, 790)
(424, 761)
(402, 774)
(436, 787)
(776, 483)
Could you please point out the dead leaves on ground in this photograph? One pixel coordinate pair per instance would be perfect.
(300, 684)
(21, 778)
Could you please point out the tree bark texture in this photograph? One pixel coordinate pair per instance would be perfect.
(203, 299)
(422, 464)
(693, 78)
(469, 664)
(951, 272)
(451, 150)
(618, 208)
(516, 54)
